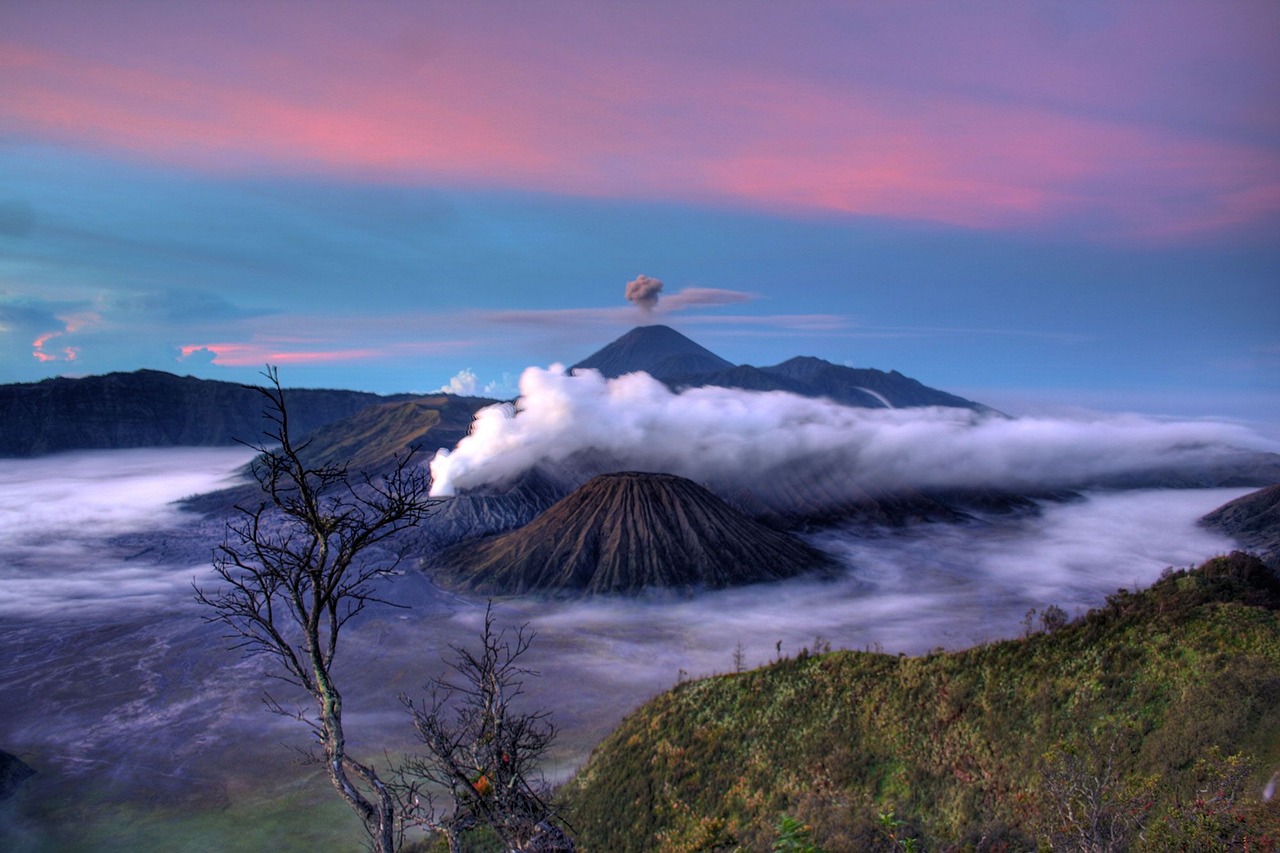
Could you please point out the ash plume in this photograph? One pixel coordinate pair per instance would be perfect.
(643, 292)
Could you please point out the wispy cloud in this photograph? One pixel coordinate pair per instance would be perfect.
(780, 323)
(252, 354)
(558, 317)
(703, 297)
(285, 350)
(678, 303)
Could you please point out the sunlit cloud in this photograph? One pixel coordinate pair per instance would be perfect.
(42, 352)
(466, 383)
(462, 383)
(491, 110)
(248, 355)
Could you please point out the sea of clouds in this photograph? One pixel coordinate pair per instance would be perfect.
(59, 512)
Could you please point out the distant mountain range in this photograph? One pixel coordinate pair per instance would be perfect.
(150, 408)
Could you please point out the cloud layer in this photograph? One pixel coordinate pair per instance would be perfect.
(737, 440)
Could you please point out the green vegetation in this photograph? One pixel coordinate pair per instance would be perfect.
(1158, 712)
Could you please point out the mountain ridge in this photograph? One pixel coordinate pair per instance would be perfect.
(1253, 521)
(152, 408)
(679, 363)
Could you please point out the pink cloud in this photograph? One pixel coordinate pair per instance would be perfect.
(256, 355)
(40, 354)
(985, 121)
(71, 324)
(322, 347)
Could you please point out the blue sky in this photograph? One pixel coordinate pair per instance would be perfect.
(1035, 205)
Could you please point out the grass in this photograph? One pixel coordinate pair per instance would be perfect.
(953, 744)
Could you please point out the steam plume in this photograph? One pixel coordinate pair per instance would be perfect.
(763, 443)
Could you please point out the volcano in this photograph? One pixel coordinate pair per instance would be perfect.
(659, 351)
(627, 532)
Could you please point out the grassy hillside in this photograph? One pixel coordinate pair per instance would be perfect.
(1176, 689)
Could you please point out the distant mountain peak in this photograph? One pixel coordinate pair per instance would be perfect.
(658, 350)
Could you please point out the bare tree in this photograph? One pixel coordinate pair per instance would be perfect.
(297, 567)
(1091, 805)
(481, 752)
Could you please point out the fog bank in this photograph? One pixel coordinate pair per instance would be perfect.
(59, 511)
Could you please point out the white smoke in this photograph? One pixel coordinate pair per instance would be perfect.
(733, 439)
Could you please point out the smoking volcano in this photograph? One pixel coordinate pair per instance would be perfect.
(822, 445)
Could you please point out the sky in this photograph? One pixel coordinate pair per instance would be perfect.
(1040, 206)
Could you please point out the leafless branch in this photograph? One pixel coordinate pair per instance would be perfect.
(481, 751)
(297, 567)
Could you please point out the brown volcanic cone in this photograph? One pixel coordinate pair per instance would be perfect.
(625, 532)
